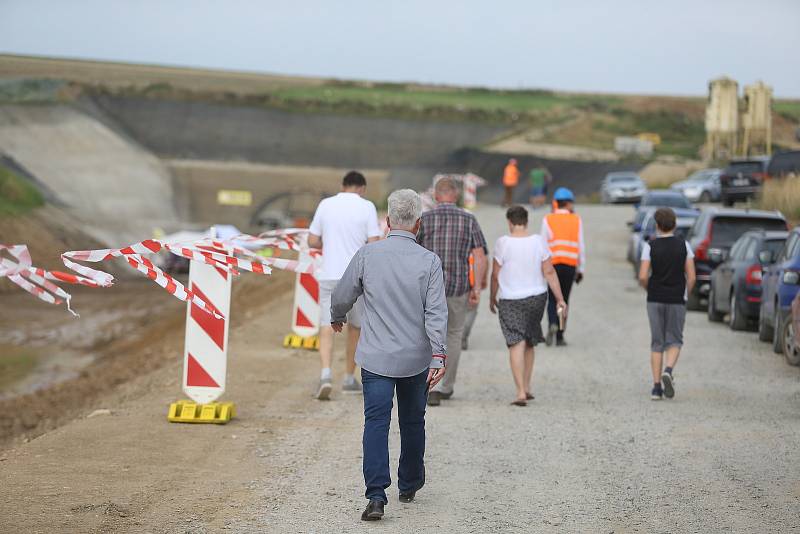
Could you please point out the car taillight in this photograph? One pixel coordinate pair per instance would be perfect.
(753, 275)
(759, 177)
(701, 253)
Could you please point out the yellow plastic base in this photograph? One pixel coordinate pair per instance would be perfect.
(186, 411)
(293, 341)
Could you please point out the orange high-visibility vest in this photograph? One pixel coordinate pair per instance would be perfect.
(564, 239)
(510, 175)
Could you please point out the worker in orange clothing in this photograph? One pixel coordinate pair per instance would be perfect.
(563, 231)
(510, 181)
(472, 309)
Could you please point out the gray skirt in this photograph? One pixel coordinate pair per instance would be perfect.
(521, 319)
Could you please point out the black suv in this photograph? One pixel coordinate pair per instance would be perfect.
(784, 165)
(742, 179)
(712, 236)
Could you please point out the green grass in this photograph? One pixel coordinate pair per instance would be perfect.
(419, 98)
(788, 108)
(15, 364)
(17, 196)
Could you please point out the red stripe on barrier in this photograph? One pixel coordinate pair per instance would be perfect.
(215, 328)
(196, 375)
(151, 245)
(311, 285)
(302, 320)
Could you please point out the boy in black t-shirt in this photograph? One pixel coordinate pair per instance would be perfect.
(667, 272)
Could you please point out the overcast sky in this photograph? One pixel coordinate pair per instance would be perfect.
(640, 46)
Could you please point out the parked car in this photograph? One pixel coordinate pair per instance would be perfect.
(780, 284)
(714, 233)
(791, 334)
(636, 231)
(623, 186)
(736, 283)
(664, 198)
(701, 186)
(742, 179)
(784, 165)
(684, 220)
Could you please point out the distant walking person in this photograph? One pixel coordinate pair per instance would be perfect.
(539, 178)
(510, 181)
(342, 224)
(521, 273)
(402, 347)
(667, 272)
(563, 232)
(472, 308)
(452, 234)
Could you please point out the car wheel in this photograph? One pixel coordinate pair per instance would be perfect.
(737, 321)
(791, 351)
(777, 338)
(765, 332)
(693, 302)
(705, 197)
(713, 315)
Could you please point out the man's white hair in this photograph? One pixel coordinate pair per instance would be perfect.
(405, 207)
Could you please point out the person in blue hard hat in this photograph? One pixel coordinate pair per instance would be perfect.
(563, 232)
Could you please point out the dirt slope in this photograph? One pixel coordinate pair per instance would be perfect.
(117, 189)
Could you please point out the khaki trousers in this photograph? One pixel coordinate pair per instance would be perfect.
(456, 313)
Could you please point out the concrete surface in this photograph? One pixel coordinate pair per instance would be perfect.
(117, 189)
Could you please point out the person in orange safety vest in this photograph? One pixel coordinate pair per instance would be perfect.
(563, 231)
(510, 181)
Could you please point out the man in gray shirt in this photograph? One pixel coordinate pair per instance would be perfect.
(402, 345)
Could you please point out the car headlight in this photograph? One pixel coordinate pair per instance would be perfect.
(791, 278)
(692, 191)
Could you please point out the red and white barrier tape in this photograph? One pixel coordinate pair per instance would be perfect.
(37, 281)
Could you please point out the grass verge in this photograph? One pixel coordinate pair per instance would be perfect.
(782, 195)
(17, 196)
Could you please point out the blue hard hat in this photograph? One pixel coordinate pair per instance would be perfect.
(562, 193)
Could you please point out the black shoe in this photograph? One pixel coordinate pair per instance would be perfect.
(407, 497)
(669, 384)
(656, 393)
(434, 398)
(551, 335)
(374, 511)
(561, 342)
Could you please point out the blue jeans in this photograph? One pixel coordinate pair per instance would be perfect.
(412, 395)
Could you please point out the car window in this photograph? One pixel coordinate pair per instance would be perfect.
(697, 228)
(744, 167)
(774, 246)
(667, 201)
(737, 247)
(789, 248)
(749, 251)
(725, 230)
(784, 163)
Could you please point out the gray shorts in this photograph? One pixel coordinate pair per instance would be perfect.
(326, 287)
(666, 325)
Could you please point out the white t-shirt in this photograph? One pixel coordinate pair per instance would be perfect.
(521, 261)
(344, 222)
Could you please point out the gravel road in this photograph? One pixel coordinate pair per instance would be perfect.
(592, 453)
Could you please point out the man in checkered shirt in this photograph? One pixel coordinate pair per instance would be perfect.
(453, 234)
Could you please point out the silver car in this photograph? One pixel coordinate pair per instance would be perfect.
(701, 186)
(623, 186)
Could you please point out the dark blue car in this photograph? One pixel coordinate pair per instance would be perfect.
(780, 283)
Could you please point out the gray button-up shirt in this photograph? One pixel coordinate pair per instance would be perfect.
(405, 310)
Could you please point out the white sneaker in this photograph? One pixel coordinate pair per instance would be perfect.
(324, 389)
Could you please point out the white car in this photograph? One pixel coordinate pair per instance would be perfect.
(702, 186)
(625, 186)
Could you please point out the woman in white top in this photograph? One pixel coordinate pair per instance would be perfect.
(521, 272)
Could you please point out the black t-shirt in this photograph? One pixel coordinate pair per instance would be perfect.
(667, 283)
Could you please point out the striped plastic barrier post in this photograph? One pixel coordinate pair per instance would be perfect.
(205, 352)
(305, 312)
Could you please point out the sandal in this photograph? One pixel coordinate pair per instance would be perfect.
(528, 396)
(519, 403)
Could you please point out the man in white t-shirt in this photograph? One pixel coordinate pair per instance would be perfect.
(342, 224)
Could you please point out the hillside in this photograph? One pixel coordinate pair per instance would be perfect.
(577, 119)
